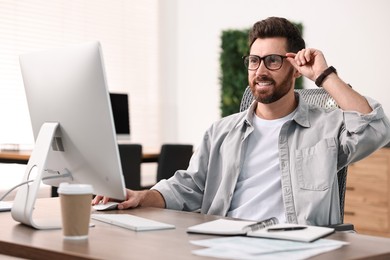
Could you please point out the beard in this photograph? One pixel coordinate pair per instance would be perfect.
(274, 93)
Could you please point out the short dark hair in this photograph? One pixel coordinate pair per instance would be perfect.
(278, 27)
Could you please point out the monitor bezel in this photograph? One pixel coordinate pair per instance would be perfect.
(70, 111)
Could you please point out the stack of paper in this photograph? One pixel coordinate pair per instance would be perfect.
(238, 247)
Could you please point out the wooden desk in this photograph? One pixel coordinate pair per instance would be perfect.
(111, 242)
(22, 156)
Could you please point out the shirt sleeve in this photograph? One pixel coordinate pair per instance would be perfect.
(184, 190)
(364, 133)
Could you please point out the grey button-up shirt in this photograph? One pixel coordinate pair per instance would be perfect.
(313, 146)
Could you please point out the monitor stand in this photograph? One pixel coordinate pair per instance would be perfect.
(23, 206)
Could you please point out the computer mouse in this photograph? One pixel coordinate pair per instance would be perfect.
(107, 206)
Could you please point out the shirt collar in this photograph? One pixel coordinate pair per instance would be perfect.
(249, 113)
(301, 116)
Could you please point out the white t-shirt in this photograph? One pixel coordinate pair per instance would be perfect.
(258, 193)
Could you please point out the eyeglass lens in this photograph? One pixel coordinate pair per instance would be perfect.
(271, 62)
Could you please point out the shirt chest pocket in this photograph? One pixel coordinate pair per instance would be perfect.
(317, 165)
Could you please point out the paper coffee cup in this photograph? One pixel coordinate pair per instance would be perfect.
(75, 209)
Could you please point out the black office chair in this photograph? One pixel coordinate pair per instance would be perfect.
(321, 98)
(172, 157)
(131, 158)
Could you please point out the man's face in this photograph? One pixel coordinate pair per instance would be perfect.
(269, 86)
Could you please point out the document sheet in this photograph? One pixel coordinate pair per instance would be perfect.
(239, 247)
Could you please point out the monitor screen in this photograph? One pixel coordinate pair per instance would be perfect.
(72, 121)
(120, 110)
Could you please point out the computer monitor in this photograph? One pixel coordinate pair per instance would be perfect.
(120, 111)
(73, 126)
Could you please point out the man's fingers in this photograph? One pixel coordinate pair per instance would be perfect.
(308, 55)
(100, 199)
(291, 59)
(96, 200)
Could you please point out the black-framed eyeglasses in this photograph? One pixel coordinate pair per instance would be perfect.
(271, 62)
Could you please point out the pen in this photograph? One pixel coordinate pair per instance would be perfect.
(285, 229)
(262, 224)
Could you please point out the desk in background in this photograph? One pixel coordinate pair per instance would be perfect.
(22, 156)
(149, 155)
(111, 242)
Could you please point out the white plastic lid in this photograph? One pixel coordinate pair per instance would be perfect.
(66, 188)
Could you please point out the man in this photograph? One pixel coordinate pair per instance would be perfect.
(280, 157)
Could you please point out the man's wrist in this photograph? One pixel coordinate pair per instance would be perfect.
(151, 198)
(320, 79)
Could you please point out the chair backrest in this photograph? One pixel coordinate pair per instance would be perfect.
(131, 158)
(321, 98)
(316, 96)
(173, 157)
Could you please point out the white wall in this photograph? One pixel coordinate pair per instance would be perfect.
(128, 33)
(354, 36)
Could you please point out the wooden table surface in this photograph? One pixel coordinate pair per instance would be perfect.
(111, 242)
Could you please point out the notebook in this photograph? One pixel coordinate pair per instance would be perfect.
(131, 222)
(294, 232)
(304, 233)
(230, 227)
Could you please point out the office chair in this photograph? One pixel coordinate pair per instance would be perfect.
(321, 98)
(172, 157)
(131, 158)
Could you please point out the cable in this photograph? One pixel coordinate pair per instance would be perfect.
(26, 182)
(10, 190)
